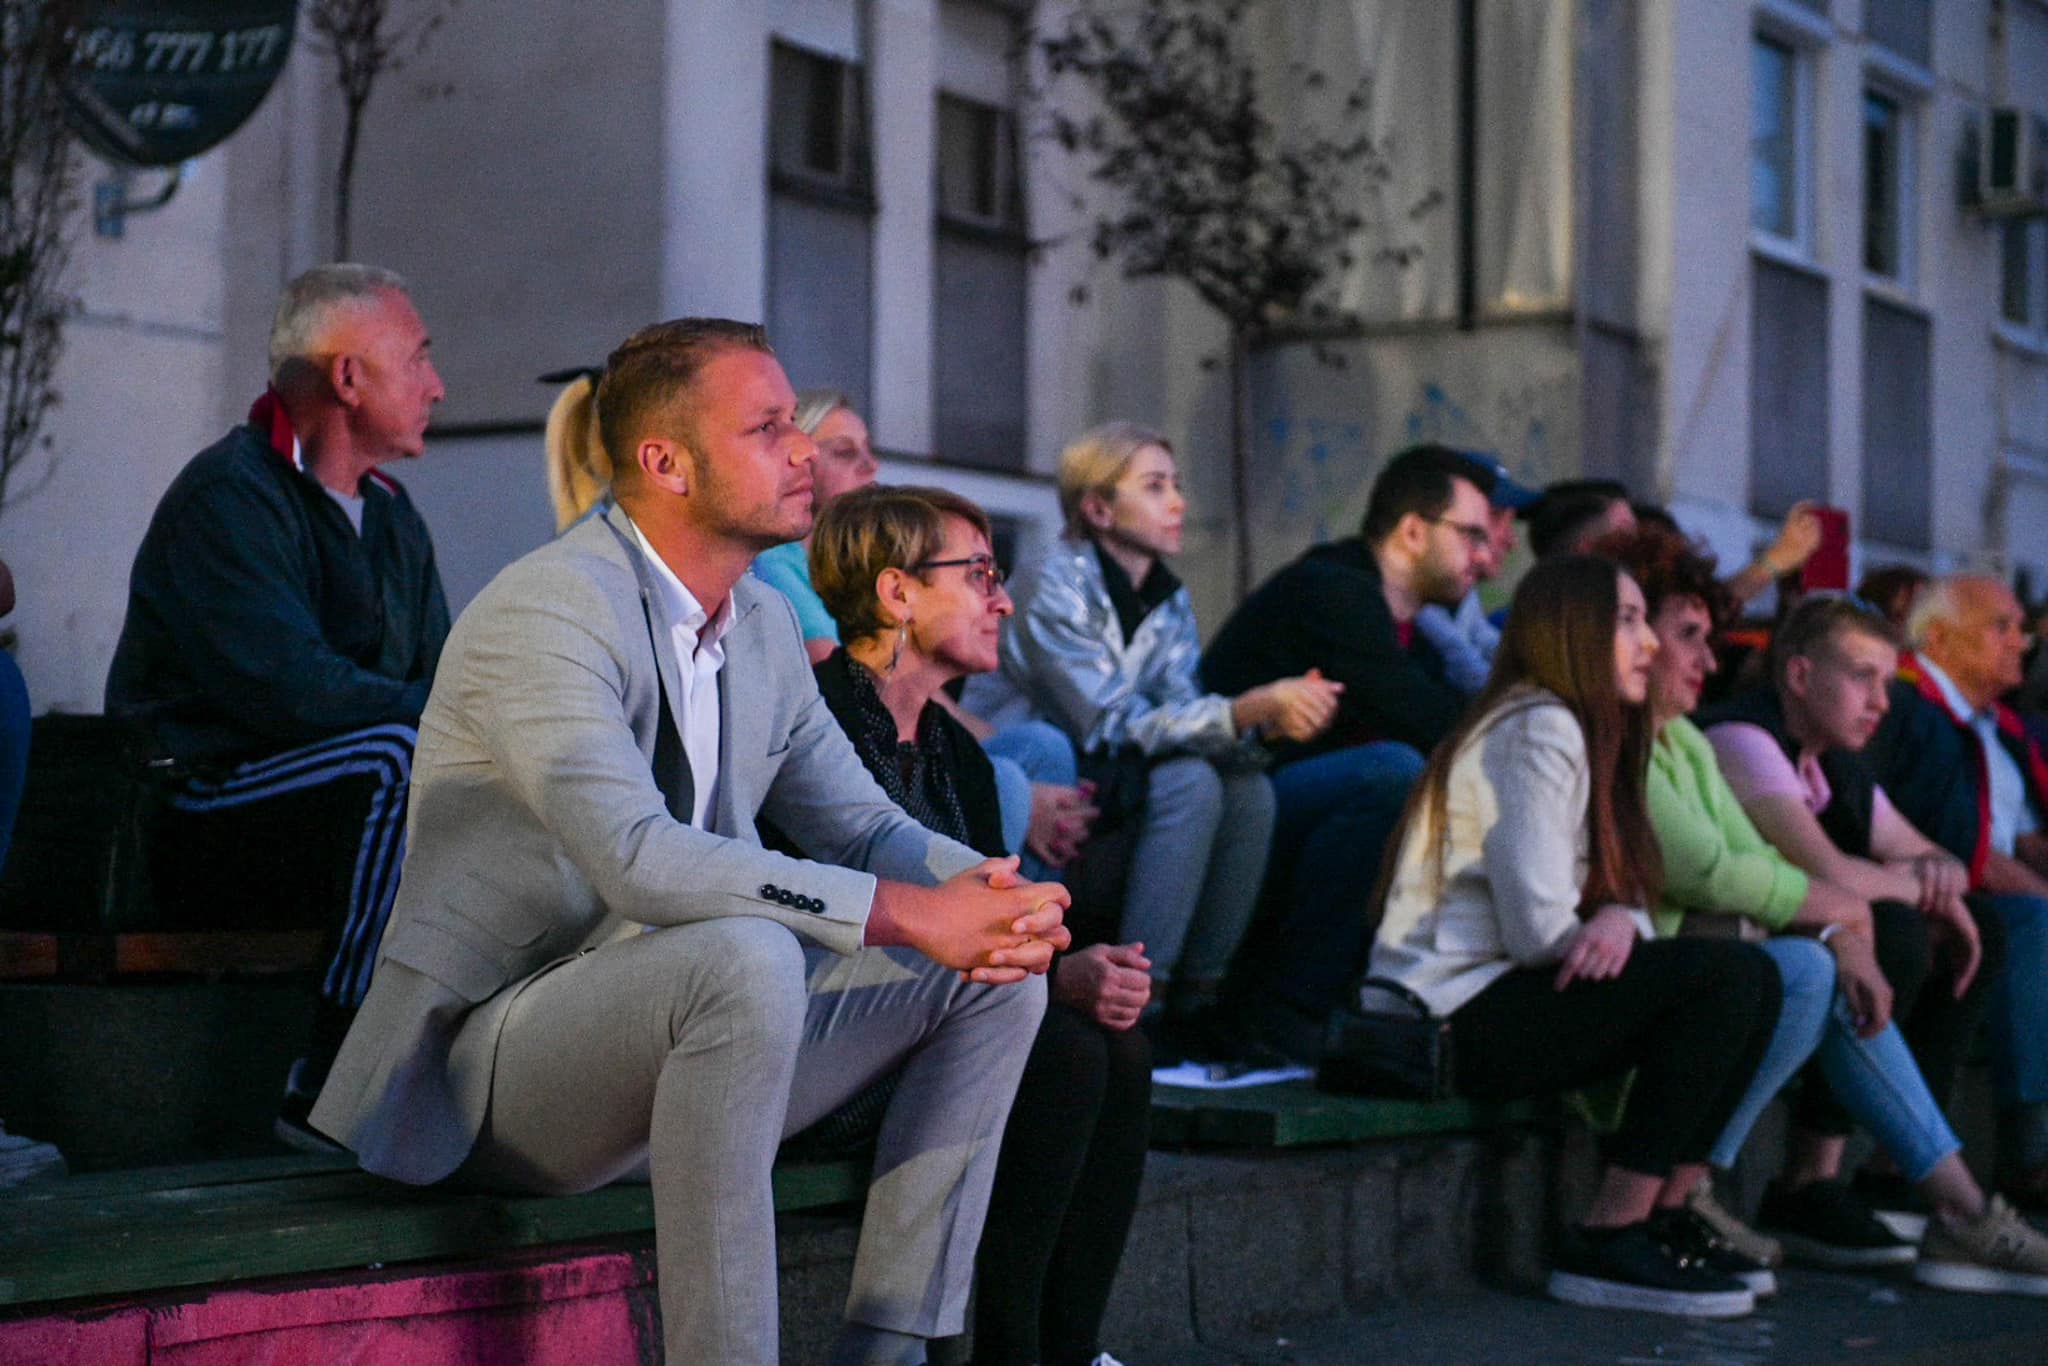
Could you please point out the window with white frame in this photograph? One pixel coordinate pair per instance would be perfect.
(820, 220)
(1888, 186)
(2023, 277)
(1780, 140)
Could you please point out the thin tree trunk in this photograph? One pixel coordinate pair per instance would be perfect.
(345, 176)
(1240, 456)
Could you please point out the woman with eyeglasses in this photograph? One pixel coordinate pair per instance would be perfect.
(909, 576)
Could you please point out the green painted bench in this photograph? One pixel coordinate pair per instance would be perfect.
(119, 1233)
(131, 1232)
(1294, 1114)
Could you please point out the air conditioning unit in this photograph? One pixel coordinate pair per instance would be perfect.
(2012, 174)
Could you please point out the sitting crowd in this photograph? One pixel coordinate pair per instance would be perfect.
(762, 802)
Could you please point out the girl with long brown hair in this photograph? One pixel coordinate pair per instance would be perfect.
(1515, 907)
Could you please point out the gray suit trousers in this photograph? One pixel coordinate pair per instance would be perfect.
(691, 1051)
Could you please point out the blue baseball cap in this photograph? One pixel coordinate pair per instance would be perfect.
(1508, 492)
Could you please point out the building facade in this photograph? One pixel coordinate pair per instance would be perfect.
(1719, 248)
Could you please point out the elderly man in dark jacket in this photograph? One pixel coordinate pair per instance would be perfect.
(284, 620)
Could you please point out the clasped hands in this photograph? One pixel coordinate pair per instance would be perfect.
(987, 923)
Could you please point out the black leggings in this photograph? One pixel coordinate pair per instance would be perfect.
(1938, 1027)
(1691, 1016)
(1065, 1189)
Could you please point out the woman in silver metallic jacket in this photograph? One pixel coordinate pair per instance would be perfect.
(1104, 646)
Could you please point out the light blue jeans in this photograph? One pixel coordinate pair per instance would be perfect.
(1026, 753)
(1876, 1079)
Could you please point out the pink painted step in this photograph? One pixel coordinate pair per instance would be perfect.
(569, 1308)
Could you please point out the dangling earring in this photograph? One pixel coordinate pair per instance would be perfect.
(896, 655)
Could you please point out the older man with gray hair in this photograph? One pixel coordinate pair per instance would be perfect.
(284, 620)
(1959, 765)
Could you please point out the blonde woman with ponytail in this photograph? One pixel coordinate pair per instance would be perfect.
(579, 471)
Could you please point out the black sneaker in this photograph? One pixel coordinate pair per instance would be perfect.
(293, 1126)
(1223, 1037)
(1698, 1239)
(1164, 1035)
(1635, 1268)
(1827, 1224)
(1895, 1202)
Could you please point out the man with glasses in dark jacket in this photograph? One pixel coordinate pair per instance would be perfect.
(1348, 609)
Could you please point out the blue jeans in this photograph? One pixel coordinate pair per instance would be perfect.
(1875, 1079)
(14, 733)
(1026, 753)
(1808, 973)
(2019, 1029)
(1333, 816)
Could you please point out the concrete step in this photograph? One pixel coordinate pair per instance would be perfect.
(1229, 1243)
(1224, 1243)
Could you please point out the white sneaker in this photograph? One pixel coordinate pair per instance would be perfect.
(1996, 1253)
(24, 1159)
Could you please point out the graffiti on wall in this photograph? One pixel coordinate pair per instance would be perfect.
(1326, 464)
(1322, 462)
(1522, 424)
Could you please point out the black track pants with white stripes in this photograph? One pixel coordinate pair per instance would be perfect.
(311, 837)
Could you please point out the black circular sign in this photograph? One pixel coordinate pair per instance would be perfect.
(154, 82)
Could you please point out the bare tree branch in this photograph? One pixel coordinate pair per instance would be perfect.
(38, 191)
(365, 40)
(1161, 102)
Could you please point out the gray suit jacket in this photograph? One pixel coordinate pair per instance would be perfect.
(537, 825)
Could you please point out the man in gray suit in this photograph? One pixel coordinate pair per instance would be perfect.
(593, 966)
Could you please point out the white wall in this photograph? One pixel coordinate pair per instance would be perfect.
(139, 381)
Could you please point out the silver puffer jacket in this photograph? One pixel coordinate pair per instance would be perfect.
(1065, 661)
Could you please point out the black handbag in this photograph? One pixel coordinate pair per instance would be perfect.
(1398, 1054)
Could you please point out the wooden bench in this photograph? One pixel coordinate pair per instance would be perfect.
(1294, 1114)
(98, 957)
(137, 1232)
(132, 1232)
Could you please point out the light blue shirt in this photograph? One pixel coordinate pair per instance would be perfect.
(1464, 640)
(787, 569)
(2012, 814)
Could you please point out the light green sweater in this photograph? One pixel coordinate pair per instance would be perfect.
(1715, 862)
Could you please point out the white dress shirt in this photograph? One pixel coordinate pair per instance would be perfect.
(2012, 815)
(698, 642)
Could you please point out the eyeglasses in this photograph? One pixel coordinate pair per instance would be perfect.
(1476, 536)
(982, 571)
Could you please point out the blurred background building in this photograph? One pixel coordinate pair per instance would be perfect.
(1734, 251)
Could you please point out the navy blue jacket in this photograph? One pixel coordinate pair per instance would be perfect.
(1933, 770)
(259, 620)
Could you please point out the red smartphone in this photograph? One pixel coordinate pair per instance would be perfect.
(1828, 569)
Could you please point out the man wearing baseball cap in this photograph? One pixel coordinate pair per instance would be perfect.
(1464, 636)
